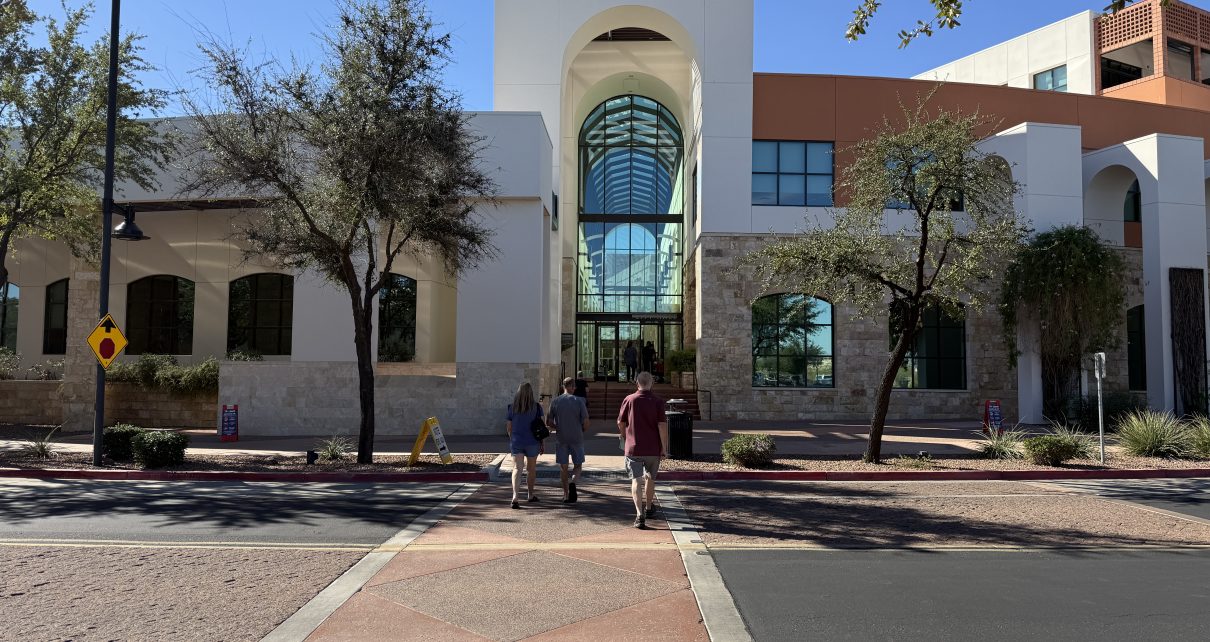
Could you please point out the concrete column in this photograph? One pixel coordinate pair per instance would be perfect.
(1173, 209)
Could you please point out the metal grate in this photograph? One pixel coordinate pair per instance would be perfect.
(1126, 26)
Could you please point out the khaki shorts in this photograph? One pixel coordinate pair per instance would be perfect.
(639, 467)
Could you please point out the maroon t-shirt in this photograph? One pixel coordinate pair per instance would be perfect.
(643, 412)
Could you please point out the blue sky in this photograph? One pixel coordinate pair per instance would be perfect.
(793, 36)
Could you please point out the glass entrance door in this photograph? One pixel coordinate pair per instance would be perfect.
(608, 355)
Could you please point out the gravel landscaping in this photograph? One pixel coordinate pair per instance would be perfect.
(1113, 461)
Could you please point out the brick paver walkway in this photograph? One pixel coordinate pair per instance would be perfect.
(547, 571)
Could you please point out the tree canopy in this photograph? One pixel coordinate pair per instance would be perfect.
(52, 128)
(353, 163)
(1071, 285)
(929, 222)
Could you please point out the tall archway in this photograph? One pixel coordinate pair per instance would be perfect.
(631, 209)
(1113, 206)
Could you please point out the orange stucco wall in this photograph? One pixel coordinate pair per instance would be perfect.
(1164, 90)
(846, 109)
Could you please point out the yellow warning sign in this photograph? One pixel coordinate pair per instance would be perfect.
(106, 341)
(431, 427)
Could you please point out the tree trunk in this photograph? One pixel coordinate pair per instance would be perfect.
(5, 237)
(882, 399)
(365, 383)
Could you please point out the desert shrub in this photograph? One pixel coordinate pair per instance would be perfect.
(49, 370)
(143, 371)
(334, 448)
(245, 355)
(159, 448)
(1082, 444)
(1147, 433)
(40, 447)
(749, 451)
(118, 441)
(923, 461)
(9, 363)
(1000, 444)
(681, 361)
(1199, 437)
(1049, 450)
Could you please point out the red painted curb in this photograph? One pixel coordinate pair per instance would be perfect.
(203, 475)
(932, 475)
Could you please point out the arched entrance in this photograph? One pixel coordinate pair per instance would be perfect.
(631, 209)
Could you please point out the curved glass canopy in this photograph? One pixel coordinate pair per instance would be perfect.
(630, 159)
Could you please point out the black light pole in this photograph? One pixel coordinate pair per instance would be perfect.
(111, 121)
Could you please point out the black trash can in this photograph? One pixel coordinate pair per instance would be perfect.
(680, 435)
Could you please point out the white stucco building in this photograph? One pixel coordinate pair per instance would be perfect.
(638, 155)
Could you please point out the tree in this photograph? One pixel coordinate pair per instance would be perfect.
(52, 128)
(947, 14)
(1070, 283)
(902, 235)
(355, 163)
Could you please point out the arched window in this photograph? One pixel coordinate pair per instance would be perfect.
(1132, 208)
(792, 342)
(1136, 348)
(260, 314)
(397, 320)
(54, 323)
(159, 315)
(10, 296)
(938, 360)
(630, 159)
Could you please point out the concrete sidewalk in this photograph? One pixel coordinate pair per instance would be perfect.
(547, 571)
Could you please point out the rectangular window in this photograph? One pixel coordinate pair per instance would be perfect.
(1205, 67)
(1052, 79)
(938, 360)
(1180, 60)
(54, 324)
(792, 173)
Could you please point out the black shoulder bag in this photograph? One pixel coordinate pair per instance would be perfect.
(538, 426)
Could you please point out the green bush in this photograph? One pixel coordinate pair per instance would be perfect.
(1199, 437)
(749, 451)
(118, 441)
(161, 372)
(245, 355)
(1001, 444)
(1049, 450)
(1147, 433)
(9, 362)
(681, 361)
(160, 448)
(200, 377)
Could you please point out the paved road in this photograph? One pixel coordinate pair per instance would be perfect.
(983, 595)
(235, 512)
(1187, 496)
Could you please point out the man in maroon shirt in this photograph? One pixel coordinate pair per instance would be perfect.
(642, 423)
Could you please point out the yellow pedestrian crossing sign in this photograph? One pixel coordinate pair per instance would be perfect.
(106, 341)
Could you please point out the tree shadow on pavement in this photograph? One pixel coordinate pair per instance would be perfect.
(220, 504)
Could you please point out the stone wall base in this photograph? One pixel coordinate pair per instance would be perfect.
(320, 398)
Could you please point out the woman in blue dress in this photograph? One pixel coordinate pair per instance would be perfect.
(522, 443)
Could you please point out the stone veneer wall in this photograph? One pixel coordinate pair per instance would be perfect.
(320, 398)
(79, 387)
(860, 353)
(30, 402)
(39, 402)
(129, 404)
